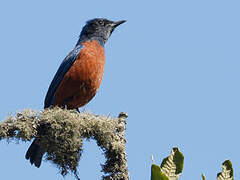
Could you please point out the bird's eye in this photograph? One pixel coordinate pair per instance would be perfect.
(101, 22)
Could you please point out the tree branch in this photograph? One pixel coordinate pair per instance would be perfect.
(61, 133)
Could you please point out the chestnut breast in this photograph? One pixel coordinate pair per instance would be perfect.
(80, 84)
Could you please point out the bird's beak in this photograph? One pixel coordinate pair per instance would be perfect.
(116, 24)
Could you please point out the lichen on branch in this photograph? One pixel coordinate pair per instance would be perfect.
(61, 133)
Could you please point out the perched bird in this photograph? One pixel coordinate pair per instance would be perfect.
(79, 76)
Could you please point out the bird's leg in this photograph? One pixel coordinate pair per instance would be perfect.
(66, 101)
(65, 105)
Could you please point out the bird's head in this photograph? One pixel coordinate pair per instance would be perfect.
(99, 29)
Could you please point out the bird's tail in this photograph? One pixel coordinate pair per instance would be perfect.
(35, 153)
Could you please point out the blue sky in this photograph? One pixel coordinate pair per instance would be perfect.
(173, 67)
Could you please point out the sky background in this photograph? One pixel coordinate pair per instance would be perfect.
(173, 67)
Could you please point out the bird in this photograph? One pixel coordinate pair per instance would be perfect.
(79, 76)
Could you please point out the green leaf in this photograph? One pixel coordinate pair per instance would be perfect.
(157, 174)
(172, 166)
(227, 171)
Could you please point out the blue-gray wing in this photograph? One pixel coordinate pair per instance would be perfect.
(62, 70)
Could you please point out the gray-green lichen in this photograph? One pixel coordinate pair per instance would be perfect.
(61, 133)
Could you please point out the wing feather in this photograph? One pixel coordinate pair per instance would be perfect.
(62, 70)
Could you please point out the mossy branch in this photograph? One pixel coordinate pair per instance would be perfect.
(61, 133)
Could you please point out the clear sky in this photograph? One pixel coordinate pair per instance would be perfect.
(173, 67)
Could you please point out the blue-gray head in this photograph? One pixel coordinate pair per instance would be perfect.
(99, 29)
